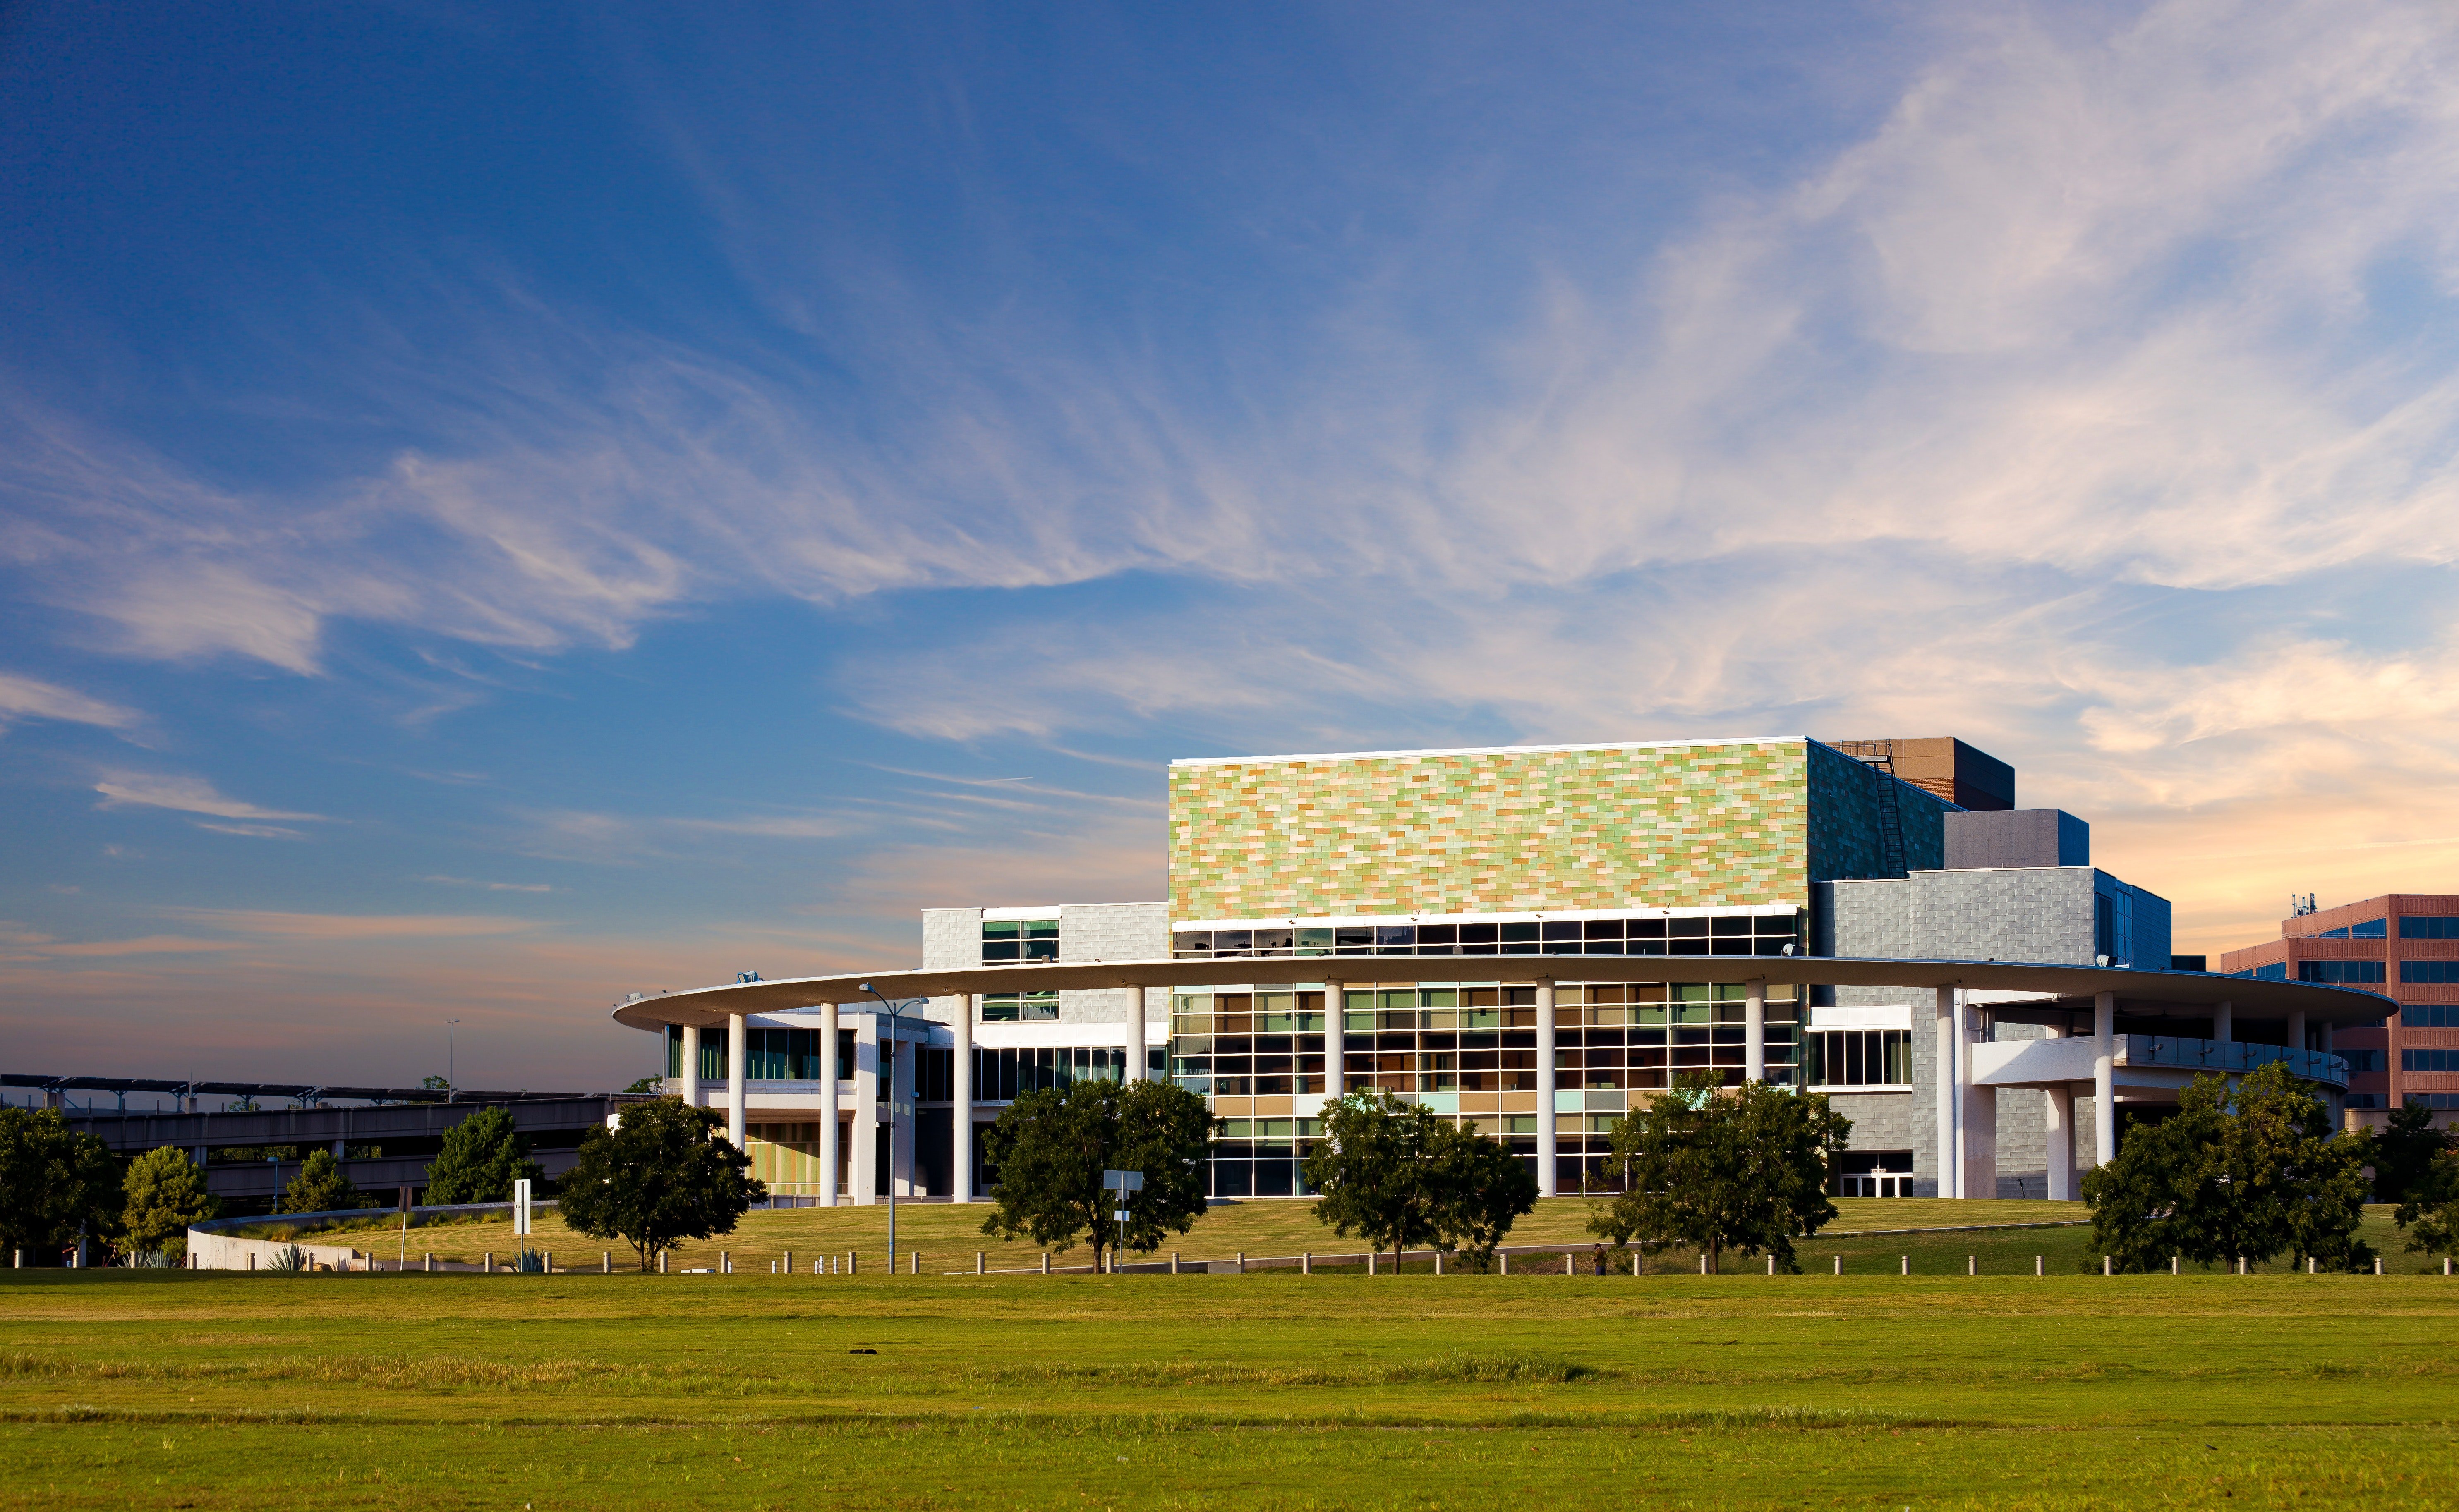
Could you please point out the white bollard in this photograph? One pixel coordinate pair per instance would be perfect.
(1438, 1263)
(1242, 1262)
(1173, 1262)
(912, 1262)
(2036, 1264)
(1703, 1261)
(605, 1262)
(1507, 1263)
(1370, 1262)
(1840, 1265)
(2376, 1265)
(1306, 1262)
(490, 1263)
(1771, 1263)
(978, 1265)
(2108, 1266)
(1905, 1264)
(1973, 1265)
(2310, 1265)
(2174, 1261)
(1045, 1262)
(785, 1265)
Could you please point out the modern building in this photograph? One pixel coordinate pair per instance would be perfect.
(1472, 930)
(2404, 945)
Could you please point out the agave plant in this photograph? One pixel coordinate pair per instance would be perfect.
(149, 1259)
(529, 1262)
(290, 1257)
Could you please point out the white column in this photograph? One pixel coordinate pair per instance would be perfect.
(861, 1171)
(1334, 1004)
(690, 1078)
(830, 1073)
(738, 1050)
(1545, 1083)
(2060, 1121)
(1136, 1063)
(1976, 1117)
(2224, 1023)
(1942, 1035)
(2297, 1030)
(2104, 1077)
(961, 1094)
(1754, 1030)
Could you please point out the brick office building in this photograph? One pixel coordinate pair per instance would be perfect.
(2404, 945)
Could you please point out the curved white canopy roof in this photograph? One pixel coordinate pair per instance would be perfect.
(2158, 990)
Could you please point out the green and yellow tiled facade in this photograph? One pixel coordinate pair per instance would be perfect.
(1718, 824)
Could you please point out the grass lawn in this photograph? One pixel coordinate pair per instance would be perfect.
(205, 1390)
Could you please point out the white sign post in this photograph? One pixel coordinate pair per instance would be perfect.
(521, 1208)
(1121, 1182)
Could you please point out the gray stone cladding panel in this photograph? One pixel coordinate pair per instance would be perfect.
(1870, 919)
(952, 939)
(2019, 913)
(1880, 1119)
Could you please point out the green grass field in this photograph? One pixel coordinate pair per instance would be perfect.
(189, 1390)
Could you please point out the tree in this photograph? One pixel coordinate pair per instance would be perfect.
(435, 1084)
(667, 1173)
(1399, 1177)
(482, 1156)
(2432, 1207)
(321, 1186)
(1046, 1154)
(2252, 1171)
(1747, 1172)
(644, 1087)
(166, 1195)
(2405, 1152)
(57, 1184)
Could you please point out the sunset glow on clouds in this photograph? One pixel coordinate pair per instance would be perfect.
(501, 514)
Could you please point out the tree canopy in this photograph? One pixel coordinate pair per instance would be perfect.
(165, 1196)
(321, 1186)
(2252, 1171)
(1746, 1170)
(2429, 1214)
(1046, 1155)
(481, 1157)
(2405, 1152)
(1401, 1178)
(666, 1172)
(55, 1183)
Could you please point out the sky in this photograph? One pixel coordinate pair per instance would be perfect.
(504, 507)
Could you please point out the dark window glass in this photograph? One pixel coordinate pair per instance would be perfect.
(1354, 937)
(1394, 936)
(1477, 933)
(2415, 971)
(1520, 932)
(1184, 942)
(1232, 942)
(2360, 972)
(1276, 940)
(1721, 928)
(1686, 928)
(2430, 926)
(1646, 929)
(1040, 928)
(1569, 929)
(1437, 934)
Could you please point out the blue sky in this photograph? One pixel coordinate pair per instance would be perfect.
(497, 511)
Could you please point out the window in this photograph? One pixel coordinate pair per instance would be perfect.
(2428, 1016)
(2364, 1060)
(2442, 1061)
(2370, 929)
(2104, 926)
(2430, 926)
(1721, 935)
(2277, 970)
(1002, 1076)
(2410, 971)
(1019, 941)
(1012, 1007)
(1851, 1058)
(2431, 1099)
(2338, 971)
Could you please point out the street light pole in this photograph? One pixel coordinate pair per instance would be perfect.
(894, 1018)
(449, 1025)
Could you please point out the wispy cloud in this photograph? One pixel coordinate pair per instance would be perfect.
(28, 698)
(272, 925)
(186, 795)
(491, 887)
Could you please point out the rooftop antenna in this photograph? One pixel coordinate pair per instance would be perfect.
(2299, 906)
